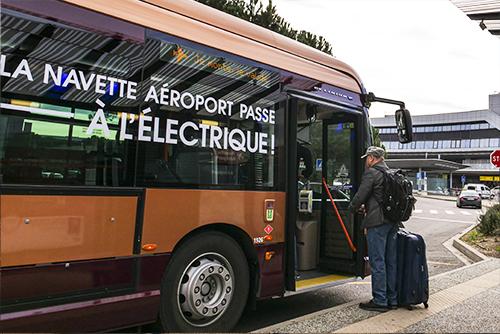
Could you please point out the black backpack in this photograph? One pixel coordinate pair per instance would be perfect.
(398, 201)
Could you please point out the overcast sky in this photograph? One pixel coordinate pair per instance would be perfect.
(425, 52)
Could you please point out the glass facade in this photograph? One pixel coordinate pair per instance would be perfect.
(442, 128)
(487, 143)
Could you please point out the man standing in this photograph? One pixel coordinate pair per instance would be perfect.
(380, 232)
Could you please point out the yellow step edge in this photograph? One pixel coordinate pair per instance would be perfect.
(306, 283)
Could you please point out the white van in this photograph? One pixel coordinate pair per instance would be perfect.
(481, 189)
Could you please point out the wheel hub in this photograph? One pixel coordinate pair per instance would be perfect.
(205, 289)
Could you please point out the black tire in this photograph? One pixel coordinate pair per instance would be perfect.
(206, 251)
(480, 207)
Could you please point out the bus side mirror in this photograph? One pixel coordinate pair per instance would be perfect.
(404, 125)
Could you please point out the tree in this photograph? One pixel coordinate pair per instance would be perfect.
(376, 139)
(267, 16)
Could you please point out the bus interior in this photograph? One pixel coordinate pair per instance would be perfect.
(328, 145)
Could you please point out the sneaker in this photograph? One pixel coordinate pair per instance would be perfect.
(392, 307)
(371, 306)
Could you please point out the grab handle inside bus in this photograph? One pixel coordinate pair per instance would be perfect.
(341, 222)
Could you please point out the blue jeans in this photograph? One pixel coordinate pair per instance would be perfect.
(382, 252)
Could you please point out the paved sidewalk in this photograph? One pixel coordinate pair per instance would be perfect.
(462, 300)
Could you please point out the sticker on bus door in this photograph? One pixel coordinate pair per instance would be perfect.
(269, 210)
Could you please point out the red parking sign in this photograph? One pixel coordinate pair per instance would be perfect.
(495, 158)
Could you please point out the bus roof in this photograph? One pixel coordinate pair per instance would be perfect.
(202, 24)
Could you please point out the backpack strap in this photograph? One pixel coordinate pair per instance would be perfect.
(383, 171)
(380, 169)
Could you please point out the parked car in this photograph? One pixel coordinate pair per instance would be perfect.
(495, 191)
(439, 191)
(469, 198)
(481, 189)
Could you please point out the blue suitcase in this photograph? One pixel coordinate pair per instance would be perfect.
(413, 274)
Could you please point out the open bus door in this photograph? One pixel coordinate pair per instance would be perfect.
(318, 251)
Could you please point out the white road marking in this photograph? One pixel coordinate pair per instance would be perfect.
(417, 211)
(443, 220)
(465, 213)
(434, 212)
(449, 212)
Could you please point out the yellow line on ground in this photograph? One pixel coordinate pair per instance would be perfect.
(307, 283)
(397, 320)
(361, 283)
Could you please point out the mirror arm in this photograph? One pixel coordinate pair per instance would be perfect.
(370, 97)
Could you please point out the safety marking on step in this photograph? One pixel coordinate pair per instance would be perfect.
(397, 320)
(449, 212)
(360, 283)
(434, 212)
(465, 213)
(306, 283)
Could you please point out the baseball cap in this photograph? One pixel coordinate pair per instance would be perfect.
(374, 151)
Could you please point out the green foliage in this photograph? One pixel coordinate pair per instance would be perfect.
(473, 235)
(490, 221)
(266, 16)
(376, 140)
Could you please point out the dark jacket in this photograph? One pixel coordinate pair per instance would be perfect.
(370, 193)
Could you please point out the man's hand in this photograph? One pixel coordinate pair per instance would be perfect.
(362, 209)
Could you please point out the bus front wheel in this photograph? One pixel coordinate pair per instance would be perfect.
(205, 286)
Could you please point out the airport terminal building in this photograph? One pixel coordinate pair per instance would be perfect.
(448, 150)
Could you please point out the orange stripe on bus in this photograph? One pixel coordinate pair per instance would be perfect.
(170, 214)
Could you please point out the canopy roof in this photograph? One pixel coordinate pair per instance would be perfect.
(487, 12)
(425, 164)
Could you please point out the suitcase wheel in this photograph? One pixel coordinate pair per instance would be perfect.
(426, 305)
(409, 308)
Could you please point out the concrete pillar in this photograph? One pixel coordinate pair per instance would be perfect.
(425, 181)
(420, 180)
(451, 181)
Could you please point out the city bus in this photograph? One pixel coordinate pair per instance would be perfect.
(163, 161)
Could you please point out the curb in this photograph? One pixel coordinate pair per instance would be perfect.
(469, 251)
(435, 197)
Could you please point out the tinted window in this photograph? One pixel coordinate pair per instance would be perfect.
(211, 121)
(58, 80)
